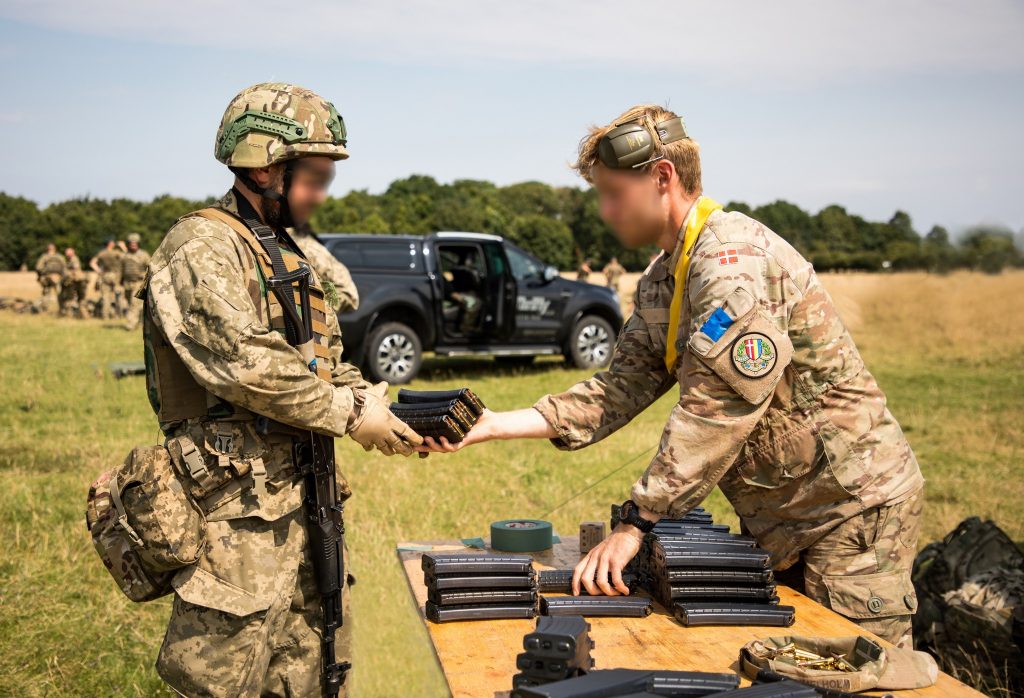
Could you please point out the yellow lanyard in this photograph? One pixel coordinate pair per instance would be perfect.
(702, 209)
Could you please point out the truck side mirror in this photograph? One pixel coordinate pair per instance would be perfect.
(550, 274)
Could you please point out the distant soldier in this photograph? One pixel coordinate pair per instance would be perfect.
(583, 270)
(613, 271)
(50, 271)
(107, 265)
(133, 270)
(339, 289)
(73, 286)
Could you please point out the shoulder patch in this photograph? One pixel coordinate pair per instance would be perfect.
(754, 355)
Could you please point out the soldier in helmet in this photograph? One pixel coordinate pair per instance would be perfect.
(775, 404)
(50, 270)
(107, 265)
(134, 262)
(227, 292)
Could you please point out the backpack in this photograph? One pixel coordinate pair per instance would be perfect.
(970, 588)
(142, 523)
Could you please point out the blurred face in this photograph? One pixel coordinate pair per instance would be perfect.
(51, 248)
(311, 179)
(632, 203)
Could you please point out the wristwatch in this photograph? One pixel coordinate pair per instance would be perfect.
(629, 513)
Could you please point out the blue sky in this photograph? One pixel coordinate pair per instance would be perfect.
(875, 105)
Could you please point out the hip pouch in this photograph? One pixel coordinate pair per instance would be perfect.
(142, 523)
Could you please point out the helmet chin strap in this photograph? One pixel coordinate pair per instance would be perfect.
(270, 194)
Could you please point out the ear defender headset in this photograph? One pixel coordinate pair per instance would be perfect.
(631, 145)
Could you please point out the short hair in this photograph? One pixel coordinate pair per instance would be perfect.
(683, 154)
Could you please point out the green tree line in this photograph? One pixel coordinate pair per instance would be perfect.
(561, 225)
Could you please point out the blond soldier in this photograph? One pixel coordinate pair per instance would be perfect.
(134, 262)
(50, 270)
(775, 404)
(237, 402)
(107, 265)
(341, 291)
(613, 271)
(73, 285)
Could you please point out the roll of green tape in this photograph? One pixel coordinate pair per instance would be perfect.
(521, 535)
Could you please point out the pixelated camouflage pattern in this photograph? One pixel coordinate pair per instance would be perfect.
(259, 149)
(330, 270)
(797, 450)
(224, 362)
(247, 621)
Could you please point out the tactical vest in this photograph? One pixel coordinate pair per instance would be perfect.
(53, 264)
(174, 393)
(133, 266)
(108, 261)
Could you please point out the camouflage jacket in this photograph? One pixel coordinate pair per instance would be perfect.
(109, 263)
(200, 302)
(50, 264)
(330, 270)
(775, 404)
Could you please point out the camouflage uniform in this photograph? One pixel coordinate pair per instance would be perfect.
(133, 271)
(612, 273)
(73, 288)
(776, 407)
(108, 266)
(345, 296)
(246, 618)
(50, 270)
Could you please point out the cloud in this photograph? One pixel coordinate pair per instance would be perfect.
(782, 44)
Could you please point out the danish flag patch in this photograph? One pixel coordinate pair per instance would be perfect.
(728, 257)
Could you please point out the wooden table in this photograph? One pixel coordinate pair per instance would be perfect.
(479, 657)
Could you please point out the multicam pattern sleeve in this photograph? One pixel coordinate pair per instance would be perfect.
(719, 406)
(199, 299)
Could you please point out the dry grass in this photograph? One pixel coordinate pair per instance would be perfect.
(944, 348)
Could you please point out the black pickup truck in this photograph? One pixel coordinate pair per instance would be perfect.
(460, 294)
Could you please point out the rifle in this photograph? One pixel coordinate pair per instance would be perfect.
(313, 454)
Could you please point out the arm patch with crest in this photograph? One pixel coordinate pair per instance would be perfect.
(743, 346)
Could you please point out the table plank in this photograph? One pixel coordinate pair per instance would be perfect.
(478, 658)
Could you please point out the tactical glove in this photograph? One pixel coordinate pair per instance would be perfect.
(373, 425)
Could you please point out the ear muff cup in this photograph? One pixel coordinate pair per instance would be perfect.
(625, 146)
(630, 145)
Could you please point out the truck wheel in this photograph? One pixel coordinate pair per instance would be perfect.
(394, 353)
(591, 342)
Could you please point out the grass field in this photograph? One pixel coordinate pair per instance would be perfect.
(946, 350)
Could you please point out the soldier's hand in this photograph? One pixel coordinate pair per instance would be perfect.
(374, 426)
(483, 430)
(600, 571)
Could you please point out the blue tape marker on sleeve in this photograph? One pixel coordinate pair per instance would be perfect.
(716, 325)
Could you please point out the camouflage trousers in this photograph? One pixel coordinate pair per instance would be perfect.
(135, 305)
(110, 296)
(272, 653)
(51, 290)
(72, 297)
(861, 569)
